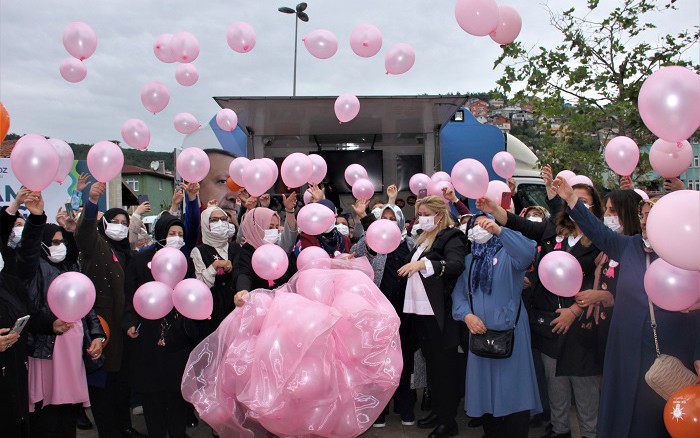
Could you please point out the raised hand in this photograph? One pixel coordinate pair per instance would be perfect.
(489, 225)
(561, 185)
(212, 203)
(192, 190)
(265, 200)
(143, 208)
(96, 191)
(251, 203)
(360, 208)
(83, 181)
(316, 193)
(449, 194)
(65, 220)
(626, 183)
(35, 203)
(392, 192)
(673, 184)
(289, 202)
(486, 205)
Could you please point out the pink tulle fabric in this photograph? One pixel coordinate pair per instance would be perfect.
(318, 357)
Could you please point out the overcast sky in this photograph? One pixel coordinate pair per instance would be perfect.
(40, 101)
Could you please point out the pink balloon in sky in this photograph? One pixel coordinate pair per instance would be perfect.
(399, 59)
(363, 189)
(296, 170)
(162, 48)
(80, 40)
(240, 37)
(65, 158)
(105, 161)
(495, 190)
(273, 167)
(186, 123)
(509, 25)
(477, 17)
(347, 107)
(185, 47)
(321, 43)
(72, 70)
(235, 169)
(136, 134)
(670, 160)
(319, 169)
(354, 172)
(186, 75)
(622, 155)
(227, 119)
(366, 40)
(503, 164)
(193, 164)
(257, 177)
(435, 188)
(155, 97)
(673, 228)
(470, 178)
(34, 162)
(440, 176)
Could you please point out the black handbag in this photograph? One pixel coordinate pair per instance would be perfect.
(494, 344)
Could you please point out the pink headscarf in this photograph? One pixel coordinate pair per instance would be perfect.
(254, 225)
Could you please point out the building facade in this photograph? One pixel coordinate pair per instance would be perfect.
(157, 185)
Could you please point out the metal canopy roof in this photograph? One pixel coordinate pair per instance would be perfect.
(383, 120)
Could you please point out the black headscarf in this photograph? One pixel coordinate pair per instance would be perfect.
(162, 225)
(121, 248)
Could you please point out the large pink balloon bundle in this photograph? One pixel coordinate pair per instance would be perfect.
(34, 161)
(670, 160)
(319, 168)
(240, 37)
(363, 189)
(79, 40)
(193, 299)
(162, 48)
(347, 107)
(470, 178)
(153, 300)
(257, 177)
(399, 59)
(72, 70)
(296, 170)
(671, 288)
(509, 25)
(669, 103)
(186, 75)
(319, 357)
(561, 273)
(169, 266)
(105, 161)
(186, 123)
(503, 164)
(366, 40)
(673, 228)
(353, 173)
(193, 164)
(383, 236)
(65, 158)
(136, 134)
(270, 262)
(235, 169)
(227, 119)
(321, 43)
(155, 97)
(622, 155)
(71, 295)
(477, 17)
(315, 219)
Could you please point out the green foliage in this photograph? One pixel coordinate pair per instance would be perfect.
(584, 91)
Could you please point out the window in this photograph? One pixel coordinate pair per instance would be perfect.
(696, 161)
(132, 183)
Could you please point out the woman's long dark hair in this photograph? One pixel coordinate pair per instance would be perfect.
(625, 203)
(566, 226)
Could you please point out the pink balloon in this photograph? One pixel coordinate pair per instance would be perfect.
(399, 59)
(354, 172)
(162, 48)
(418, 182)
(566, 174)
(347, 107)
(477, 17)
(383, 236)
(622, 155)
(227, 119)
(155, 97)
(186, 75)
(470, 178)
(153, 300)
(136, 134)
(193, 164)
(79, 40)
(503, 164)
(235, 169)
(65, 158)
(321, 43)
(669, 103)
(561, 273)
(72, 70)
(580, 179)
(319, 169)
(642, 193)
(495, 190)
(673, 228)
(297, 169)
(185, 47)
(193, 299)
(440, 176)
(105, 161)
(270, 262)
(273, 167)
(315, 219)
(241, 37)
(307, 255)
(509, 25)
(435, 188)
(186, 123)
(671, 288)
(670, 160)
(71, 295)
(34, 162)
(257, 178)
(366, 40)
(363, 189)
(169, 266)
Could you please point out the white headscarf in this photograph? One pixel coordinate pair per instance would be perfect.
(207, 237)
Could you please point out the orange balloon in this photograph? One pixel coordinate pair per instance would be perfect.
(232, 185)
(105, 328)
(682, 413)
(4, 122)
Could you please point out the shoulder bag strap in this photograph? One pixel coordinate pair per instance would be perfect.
(653, 321)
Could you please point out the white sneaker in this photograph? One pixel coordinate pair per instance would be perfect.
(408, 423)
(379, 424)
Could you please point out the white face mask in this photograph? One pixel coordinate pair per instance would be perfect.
(272, 236)
(57, 253)
(343, 229)
(415, 229)
(15, 236)
(116, 232)
(479, 235)
(377, 212)
(231, 231)
(534, 219)
(427, 223)
(219, 229)
(174, 242)
(463, 228)
(613, 222)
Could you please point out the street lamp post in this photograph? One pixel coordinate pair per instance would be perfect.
(300, 15)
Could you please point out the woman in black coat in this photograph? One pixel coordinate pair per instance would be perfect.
(433, 268)
(158, 350)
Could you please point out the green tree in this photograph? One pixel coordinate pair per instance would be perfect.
(584, 91)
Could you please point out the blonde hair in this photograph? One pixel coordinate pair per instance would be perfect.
(436, 204)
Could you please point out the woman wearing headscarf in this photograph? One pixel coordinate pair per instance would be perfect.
(158, 349)
(628, 405)
(488, 296)
(567, 346)
(386, 277)
(11, 227)
(57, 375)
(433, 267)
(104, 253)
(213, 262)
(260, 226)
